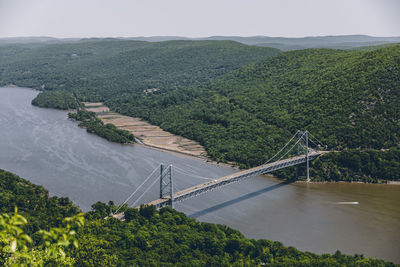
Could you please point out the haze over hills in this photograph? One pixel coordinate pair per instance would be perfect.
(288, 43)
(282, 43)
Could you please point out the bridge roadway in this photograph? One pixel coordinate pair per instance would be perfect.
(235, 177)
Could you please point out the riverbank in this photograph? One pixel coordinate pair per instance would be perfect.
(153, 136)
(370, 165)
(344, 182)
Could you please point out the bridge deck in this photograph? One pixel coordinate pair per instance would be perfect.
(208, 186)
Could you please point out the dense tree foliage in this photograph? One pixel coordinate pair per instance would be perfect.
(97, 69)
(147, 237)
(18, 249)
(369, 166)
(348, 99)
(169, 238)
(33, 202)
(108, 131)
(55, 99)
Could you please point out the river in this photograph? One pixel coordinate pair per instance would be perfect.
(43, 146)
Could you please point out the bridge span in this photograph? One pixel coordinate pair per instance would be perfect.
(232, 178)
(167, 196)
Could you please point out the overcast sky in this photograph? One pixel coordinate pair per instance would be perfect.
(198, 18)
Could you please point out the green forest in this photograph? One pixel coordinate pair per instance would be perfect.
(347, 99)
(98, 69)
(369, 166)
(242, 103)
(40, 236)
(33, 202)
(94, 125)
(55, 99)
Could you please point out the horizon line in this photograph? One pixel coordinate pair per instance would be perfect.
(200, 37)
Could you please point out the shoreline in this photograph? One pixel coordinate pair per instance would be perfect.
(206, 159)
(201, 158)
(267, 175)
(152, 136)
(346, 182)
(91, 106)
(100, 109)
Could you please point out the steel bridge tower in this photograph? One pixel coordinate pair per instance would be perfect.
(166, 184)
(303, 136)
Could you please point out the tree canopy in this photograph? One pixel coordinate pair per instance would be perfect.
(242, 103)
(147, 237)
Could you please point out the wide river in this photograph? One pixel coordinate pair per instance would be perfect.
(43, 146)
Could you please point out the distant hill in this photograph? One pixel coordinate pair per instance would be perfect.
(282, 43)
(21, 40)
(99, 68)
(290, 43)
(286, 43)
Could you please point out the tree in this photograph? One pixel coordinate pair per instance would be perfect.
(16, 246)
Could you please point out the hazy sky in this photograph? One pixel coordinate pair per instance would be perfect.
(198, 18)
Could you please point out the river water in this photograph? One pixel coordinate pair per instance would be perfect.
(43, 146)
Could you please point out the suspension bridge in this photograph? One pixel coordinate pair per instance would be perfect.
(304, 154)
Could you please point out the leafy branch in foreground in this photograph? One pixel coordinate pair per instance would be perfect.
(17, 249)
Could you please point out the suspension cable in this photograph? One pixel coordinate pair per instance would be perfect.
(177, 189)
(309, 139)
(281, 148)
(292, 146)
(322, 144)
(148, 177)
(148, 188)
(207, 178)
(191, 175)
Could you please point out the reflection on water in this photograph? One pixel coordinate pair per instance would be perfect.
(43, 146)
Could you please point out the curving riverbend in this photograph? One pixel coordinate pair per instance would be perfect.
(42, 145)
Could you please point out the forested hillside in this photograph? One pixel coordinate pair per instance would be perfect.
(146, 238)
(348, 99)
(59, 99)
(370, 166)
(97, 69)
(33, 201)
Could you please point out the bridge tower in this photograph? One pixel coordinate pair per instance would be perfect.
(166, 184)
(303, 136)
